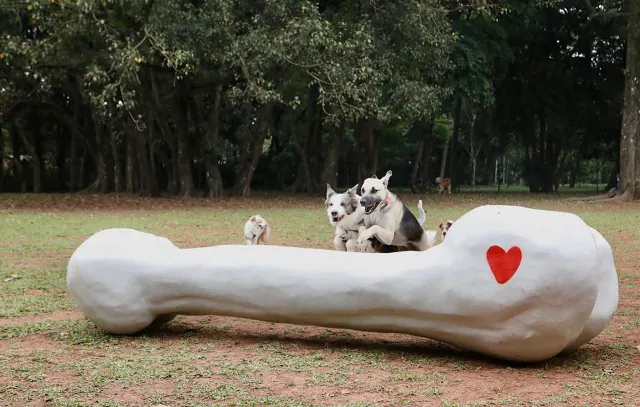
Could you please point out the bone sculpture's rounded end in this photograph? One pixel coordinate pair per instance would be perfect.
(106, 274)
(509, 282)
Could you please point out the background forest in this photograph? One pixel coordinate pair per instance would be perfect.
(219, 97)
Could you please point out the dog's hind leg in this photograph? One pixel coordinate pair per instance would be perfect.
(423, 244)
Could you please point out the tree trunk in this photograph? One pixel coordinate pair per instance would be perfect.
(474, 164)
(29, 142)
(214, 178)
(454, 140)
(117, 163)
(367, 146)
(415, 165)
(2, 161)
(82, 168)
(101, 157)
(74, 169)
(16, 150)
(243, 182)
(184, 153)
(62, 144)
(313, 147)
(131, 183)
(330, 171)
(426, 130)
(443, 164)
(576, 170)
(146, 181)
(630, 134)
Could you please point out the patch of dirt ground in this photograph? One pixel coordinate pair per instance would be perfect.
(212, 360)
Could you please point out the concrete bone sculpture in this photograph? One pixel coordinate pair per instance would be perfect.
(509, 282)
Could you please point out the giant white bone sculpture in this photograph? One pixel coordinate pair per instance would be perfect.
(509, 282)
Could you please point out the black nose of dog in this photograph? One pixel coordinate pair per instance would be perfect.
(334, 213)
(363, 202)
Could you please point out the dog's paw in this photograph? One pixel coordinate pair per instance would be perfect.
(363, 237)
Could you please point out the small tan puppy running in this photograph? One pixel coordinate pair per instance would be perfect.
(444, 184)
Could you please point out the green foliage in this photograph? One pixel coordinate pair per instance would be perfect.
(127, 80)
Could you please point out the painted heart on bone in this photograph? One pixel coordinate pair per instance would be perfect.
(504, 264)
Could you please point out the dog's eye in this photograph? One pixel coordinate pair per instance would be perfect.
(341, 203)
(373, 190)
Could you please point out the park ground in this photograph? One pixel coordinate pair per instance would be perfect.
(51, 356)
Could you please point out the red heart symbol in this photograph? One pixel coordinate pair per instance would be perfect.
(504, 265)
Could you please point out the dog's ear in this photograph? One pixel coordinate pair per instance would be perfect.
(330, 191)
(253, 219)
(374, 176)
(449, 223)
(440, 226)
(385, 179)
(353, 190)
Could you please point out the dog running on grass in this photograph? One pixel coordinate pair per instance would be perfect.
(256, 230)
(347, 215)
(387, 219)
(444, 184)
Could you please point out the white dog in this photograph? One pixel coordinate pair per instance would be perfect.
(256, 230)
(347, 215)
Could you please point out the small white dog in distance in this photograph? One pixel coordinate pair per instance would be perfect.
(347, 215)
(256, 230)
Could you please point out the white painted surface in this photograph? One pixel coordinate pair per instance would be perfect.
(562, 295)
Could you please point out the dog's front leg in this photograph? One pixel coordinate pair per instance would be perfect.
(352, 245)
(339, 240)
(385, 236)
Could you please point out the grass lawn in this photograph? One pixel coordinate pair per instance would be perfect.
(51, 356)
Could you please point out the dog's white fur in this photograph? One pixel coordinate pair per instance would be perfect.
(347, 215)
(383, 221)
(256, 230)
(422, 216)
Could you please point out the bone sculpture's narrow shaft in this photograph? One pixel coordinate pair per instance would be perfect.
(509, 282)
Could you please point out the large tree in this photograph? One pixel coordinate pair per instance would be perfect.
(630, 135)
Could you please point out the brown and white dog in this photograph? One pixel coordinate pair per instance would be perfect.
(444, 184)
(256, 230)
(444, 228)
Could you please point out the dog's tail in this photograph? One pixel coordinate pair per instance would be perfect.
(422, 215)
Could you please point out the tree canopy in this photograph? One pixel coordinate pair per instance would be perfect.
(219, 96)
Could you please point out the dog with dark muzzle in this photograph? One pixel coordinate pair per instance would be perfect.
(387, 219)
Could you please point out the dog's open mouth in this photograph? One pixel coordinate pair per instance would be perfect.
(370, 208)
(336, 219)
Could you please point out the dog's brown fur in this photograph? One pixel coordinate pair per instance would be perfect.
(444, 228)
(444, 184)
